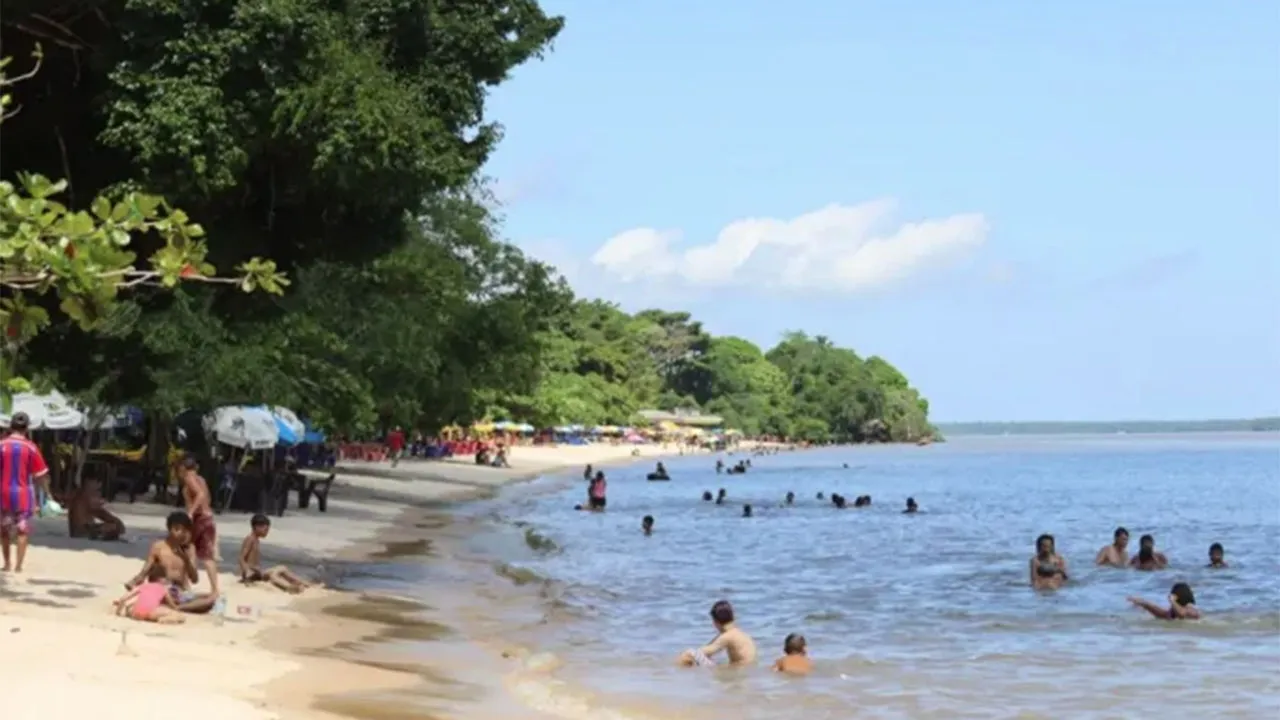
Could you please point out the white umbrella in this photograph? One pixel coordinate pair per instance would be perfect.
(51, 411)
(249, 428)
(290, 419)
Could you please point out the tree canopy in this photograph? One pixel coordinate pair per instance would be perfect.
(342, 144)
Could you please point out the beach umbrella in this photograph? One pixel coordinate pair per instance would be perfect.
(312, 436)
(297, 428)
(248, 428)
(47, 411)
(483, 427)
(525, 428)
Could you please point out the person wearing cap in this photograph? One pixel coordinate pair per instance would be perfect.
(22, 468)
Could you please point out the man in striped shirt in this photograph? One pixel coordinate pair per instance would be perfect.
(22, 468)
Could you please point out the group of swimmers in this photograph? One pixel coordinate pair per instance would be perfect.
(1048, 571)
(837, 500)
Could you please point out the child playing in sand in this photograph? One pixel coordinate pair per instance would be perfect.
(151, 601)
(795, 658)
(251, 560)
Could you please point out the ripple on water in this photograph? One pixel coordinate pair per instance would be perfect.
(927, 615)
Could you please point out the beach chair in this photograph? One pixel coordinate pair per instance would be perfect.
(319, 489)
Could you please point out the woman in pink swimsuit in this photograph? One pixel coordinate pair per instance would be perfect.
(596, 493)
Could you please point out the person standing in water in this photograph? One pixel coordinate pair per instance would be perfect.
(1048, 568)
(1116, 554)
(1217, 557)
(729, 639)
(646, 525)
(1182, 604)
(596, 492)
(1147, 557)
(791, 498)
(746, 511)
(912, 508)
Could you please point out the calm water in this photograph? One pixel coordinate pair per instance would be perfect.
(907, 616)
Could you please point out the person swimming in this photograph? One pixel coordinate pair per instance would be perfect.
(795, 656)
(719, 466)
(791, 498)
(1182, 604)
(746, 511)
(706, 496)
(911, 507)
(1217, 557)
(1048, 568)
(1116, 553)
(720, 496)
(646, 524)
(1147, 557)
(820, 496)
(838, 500)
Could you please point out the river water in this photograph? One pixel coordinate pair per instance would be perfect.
(907, 616)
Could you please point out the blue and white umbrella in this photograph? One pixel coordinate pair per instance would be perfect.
(292, 429)
(248, 428)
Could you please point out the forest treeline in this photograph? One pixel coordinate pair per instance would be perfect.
(345, 142)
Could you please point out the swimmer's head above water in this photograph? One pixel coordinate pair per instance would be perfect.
(911, 505)
(1121, 538)
(1181, 594)
(1045, 546)
(1216, 555)
(706, 496)
(1146, 549)
(794, 645)
(791, 498)
(722, 615)
(646, 524)
(746, 511)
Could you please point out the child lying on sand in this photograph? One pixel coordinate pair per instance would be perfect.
(150, 601)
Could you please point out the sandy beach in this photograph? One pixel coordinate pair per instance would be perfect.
(271, 655)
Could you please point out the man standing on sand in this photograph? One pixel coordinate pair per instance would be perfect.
(21, 465)
(204, 533)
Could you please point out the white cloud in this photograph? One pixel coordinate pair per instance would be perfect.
(837, 248)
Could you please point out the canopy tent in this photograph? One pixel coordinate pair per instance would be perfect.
(248, 428)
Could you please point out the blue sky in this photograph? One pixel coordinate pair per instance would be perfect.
(1035, 210)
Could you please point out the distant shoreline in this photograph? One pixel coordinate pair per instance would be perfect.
(1049, 427)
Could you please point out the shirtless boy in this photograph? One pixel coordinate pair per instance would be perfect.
(251, 560)
(738, 645)
(177, 557)
(204, 533)
(795, 657)
(1115, 554)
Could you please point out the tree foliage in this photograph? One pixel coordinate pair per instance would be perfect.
(341, 142)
